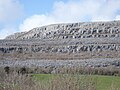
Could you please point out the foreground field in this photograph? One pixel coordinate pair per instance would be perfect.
(15, 81)
(78, 82)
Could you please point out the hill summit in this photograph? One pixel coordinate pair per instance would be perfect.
(71, 31)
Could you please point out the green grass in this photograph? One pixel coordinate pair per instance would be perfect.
(107, 82)
(43, 77)
(101, 82)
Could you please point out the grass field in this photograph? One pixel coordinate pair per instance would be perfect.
(15, 81)
(97, 82)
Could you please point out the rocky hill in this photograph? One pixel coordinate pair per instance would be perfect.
(71, 31)
(65, 41)
(72, 41)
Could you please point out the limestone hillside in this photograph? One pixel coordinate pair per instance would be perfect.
(72, 41)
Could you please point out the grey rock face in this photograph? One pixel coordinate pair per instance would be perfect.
(72, 41)
(71, 31)
(59, 63)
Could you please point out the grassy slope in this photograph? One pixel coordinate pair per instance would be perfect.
(101, 82)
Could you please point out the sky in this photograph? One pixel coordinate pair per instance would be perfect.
(23, 15)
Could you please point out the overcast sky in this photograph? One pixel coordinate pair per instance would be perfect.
(23, 15)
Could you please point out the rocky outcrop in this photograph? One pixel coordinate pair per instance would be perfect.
(64, 42)
(15, 36)
(72, 30)
(60, 63)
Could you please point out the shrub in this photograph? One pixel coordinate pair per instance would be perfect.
(7, 69)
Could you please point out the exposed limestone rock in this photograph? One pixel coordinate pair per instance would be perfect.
(59, 63)
(64, 41)
(72, 30)
(15, 36)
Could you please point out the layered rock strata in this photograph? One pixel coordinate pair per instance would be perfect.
(72, 41)
(60, 50)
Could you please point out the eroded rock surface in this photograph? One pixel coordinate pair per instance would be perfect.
(72, 41)
(71, 31)
(65, 41)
